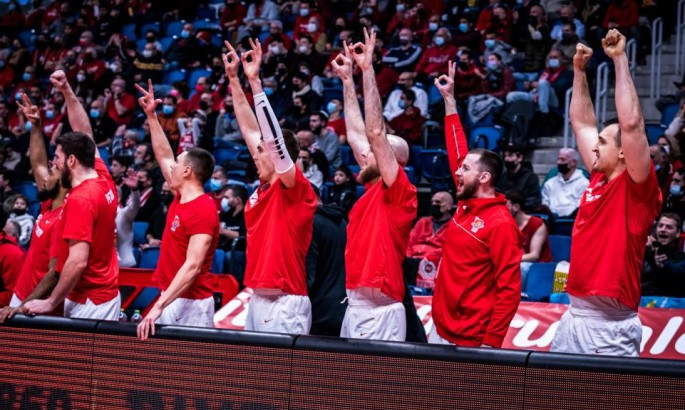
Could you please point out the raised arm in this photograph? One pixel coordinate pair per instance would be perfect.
(373, 111)
(356, 131)
(243, 112)
(455, 138)
(268, 123)
(160, 143)
(37, 154)
(582, 111)
(78, 119)
(633, 137)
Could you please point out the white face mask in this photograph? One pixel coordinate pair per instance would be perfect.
(303, 49)
(311, 27)
(147, 53)
(274, 50)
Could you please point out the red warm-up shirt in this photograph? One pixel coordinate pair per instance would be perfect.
(38, 258)
(527, 233)
(478, 287)
(11, 259)
(435, 59)
(198, 216)
(610, 235)
(377, 236)
(279, 224)
(129, 102)
(423, 242)
(89, 213)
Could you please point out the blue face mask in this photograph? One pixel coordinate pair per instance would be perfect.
(433, 26)
(331, 107)
(402, 104)
(268, 91)
(439, 40)
(490, 43)
(492, 66)
(94, 114)
(224, 205)
(49, 114)
(185, 33)
(167, 109)
(304, 12)
(676, 190)
(554, 63)
(26, 77)
(28, 126)
(657, 167)
(214, 184)
(17, 96)
(463, 27)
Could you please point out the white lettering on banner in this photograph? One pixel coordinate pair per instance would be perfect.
(522, 338)
(680, 345)
(666, 335)
(646, 334)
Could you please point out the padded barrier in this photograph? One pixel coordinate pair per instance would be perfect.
(49, 362)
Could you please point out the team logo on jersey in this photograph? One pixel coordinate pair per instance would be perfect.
(254, 197)
(427, 269)
(589, 197)
(109, 196)
(477, 225)
(175, 224)
(39, 231)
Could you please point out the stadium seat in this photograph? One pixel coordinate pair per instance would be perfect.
(139, 230)
(175, 75)
(323, 192)
(411, 176)
(360, 191)
(144, 299)
(433, 135)
(140, 44)
(217, 40)
(152, 26)
(654, 131)
(263, 36)
(561, 298)
(174, 28)
(206, 13)
(218, 262)
(166, 42)
(354, 169)
(485, 137)
(129, 30)
(540, 281)
(149, 258)
(415, 160)
(26, 37)
(346, 154)
(104, 154)
(544, 217)
(331, 94)
(195, 75)
(34, 209)
(224, 154)
(564, 226)
(205, 24)
(435, 169)
(28, 189)
(669, 113)
(560, 247)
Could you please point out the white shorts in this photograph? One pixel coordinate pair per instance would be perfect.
(273, 311)
(598, 325)
(188, 312)
(89, 310)
(15, 302)
(436, 339)
(371, 314)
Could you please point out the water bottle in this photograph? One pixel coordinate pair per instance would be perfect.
(136, 317)
(122, 316)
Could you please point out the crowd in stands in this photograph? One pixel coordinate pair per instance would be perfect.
(511, 55)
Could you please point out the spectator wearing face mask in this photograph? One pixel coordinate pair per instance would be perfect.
(567, 14)
(6, 74)
(434, 60)
(302, 89)
(149, 199)
(467, 36)
(305, 12)
(675, 200)
(567, 43)
(51, 121)
(217, 183)
(406, 55)
(408, 124)
(83, 87)
(496, 83)
(672, 149)
(428, 31)
(257, 19)
(92, 64)
(325, 139)
(663, 269)
(227, 128)
(562, 193)
(149, 65)
(276, 33)
(469, 77)
(157, 219)
(20, 215)
(344, 190)
(103, 126)
(120, 104)
(27, 80)
(168, 118)
(518, 176)
(309, 169)
(535, 40)
(11, 259)
(307, 55)
(185, 51)
(232, 16)
(663, 168)
(494, 45)
(232, 230)
(428, 235)
(336, 122)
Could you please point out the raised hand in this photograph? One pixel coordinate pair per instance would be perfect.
(231, 61)
(59, 81)
(342, 64)
(582, 57)
(148, 101)
(445, 83)
(31, 111)
(614, 44)
(363, 52)
(131, 179)
(252, 60)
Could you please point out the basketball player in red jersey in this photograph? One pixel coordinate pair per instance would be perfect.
(87, 263)
(478, 287)
(279, 215)
(614, 218)
(190, 236)
(380, 221)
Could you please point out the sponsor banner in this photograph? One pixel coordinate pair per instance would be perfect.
(533, 326)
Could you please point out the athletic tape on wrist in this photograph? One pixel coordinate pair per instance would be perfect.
(272, 134)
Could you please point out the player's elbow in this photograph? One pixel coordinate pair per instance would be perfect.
(374, 132)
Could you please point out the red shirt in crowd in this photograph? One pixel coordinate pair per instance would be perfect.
(89, 213)
(478, 287)
(377, 236)
(38, 258)
(301, 23)
(337, 126)
(279, 225)
(527, 233)
(129, 102)
(625, 15)
(434, 59)
(11, 259)
(408, 126)
(610, 235)
(424, 242)
(195, 217)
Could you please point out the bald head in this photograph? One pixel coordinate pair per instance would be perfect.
(441, 206)
(400, 148)
(443, 197)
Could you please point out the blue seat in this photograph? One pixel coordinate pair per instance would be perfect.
(195, 75)
(654, 131)
(26, 37)
(217, 40)
(129, 30)
(34, 209)
(139, 230)
(218, 262)
(485, 137)
(346, 154)
(175, 75)
(560, 247)
(669, 113)
(564, 226)
(433, 135)
(149, 258)
(354, 169)
(205, 24)
(540, 281)
(323, 192)
(223, 154)
(28, 189)
(166, 42)
(411, 176)
(544, 217)
(263, 36)
(140, 44)
(435, 169)
(360, 191)
(415, 159)
(331, 94)
(153, 26)
(561, 298)
(174, 28)
(104, 155)
(206, 13)
(146, 296)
